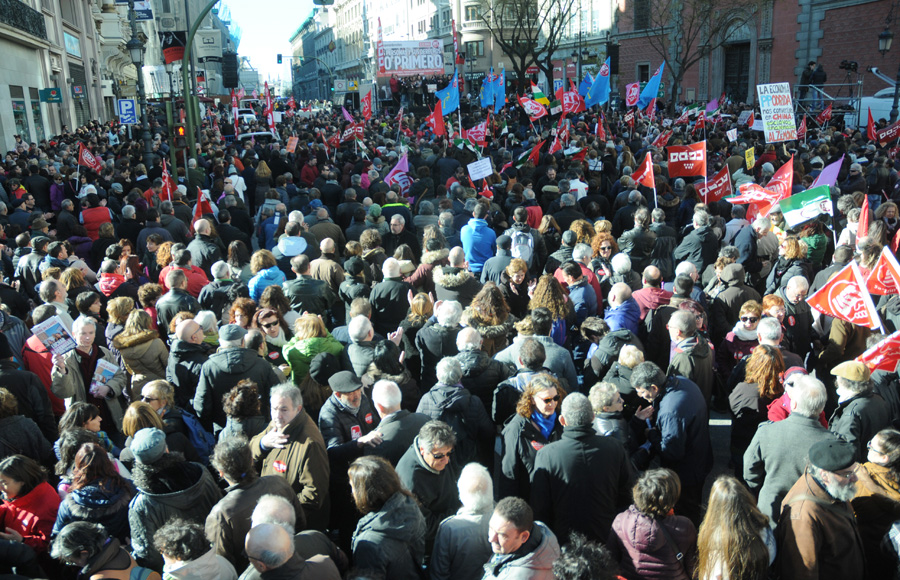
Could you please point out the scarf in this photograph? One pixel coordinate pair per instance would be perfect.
(545, 424)
(279, 340)
(743, 334)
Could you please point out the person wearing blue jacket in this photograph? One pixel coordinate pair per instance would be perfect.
(265, 273)
(582, 295)
(478, 240)
(623, 311)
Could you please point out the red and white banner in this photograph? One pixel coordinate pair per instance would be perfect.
(684, 118)
(644, 173)
(662, 139)
(234, 113)
(888, 134)
(629, 118)
(651, 109)
(884, 278)
(169, 184)
(600, 130)
(884, 356)
(241, 94)
(455, 43)
(687, 160)
(555, 146)
(88, 159)
(757, 195)
(399, 175)
(478, 134)
(845, 297)
(354, 131)
(716, 187)
(824, 116)
(436, 120)
(801, 130)
(782, 182)
(534, 109)
(292, 103)
(572, 102)
(366, 103)
(270, 112)
(379, 49)
(632, 94)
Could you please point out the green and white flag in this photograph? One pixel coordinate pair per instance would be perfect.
(806, 205)
(504, 129)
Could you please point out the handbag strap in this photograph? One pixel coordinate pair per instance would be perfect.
(679, 555)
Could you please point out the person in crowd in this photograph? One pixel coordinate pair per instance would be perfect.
(861, 413)
(187, 553)
(186, 357)
(398, 427)
(522, 547)
(735, 540)
(877, 500)
(537, 326)
(438, 341)
(310, 338)
(27, 512)
(692, 357)
(648, 540)
(608, 404)
(272, 554)
(741, 341)
(144, 354)
(89, 547)
(455, 281)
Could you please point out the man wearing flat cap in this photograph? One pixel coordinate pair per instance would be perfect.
(861, 413)
(818, 536)
(347, 421)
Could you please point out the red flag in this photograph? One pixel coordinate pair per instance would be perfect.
(687, 160)
(87, 159)
(884, 278)
(782, 182)
(824, 116)
(884, 356)
(662, 139)
(367, 106)
(169, 184)
(801, 130)
(270, 110)
(845, 296)
(478, 134)
(535, 155)
(701, 122)
(335, 141)
(436, 120)
(684, 118)
(400, 114)
(716, 187)
(871, 135)
(862, 229)
(644, 173)
(888, 134)
(599, 130)
(291, 103)
(555, 146)
(651, 108)
(203, 207)
(896, 243)
(534, 109)
(572, 102)
(486, 191)
(629, 118)
(756, 195)
(580, 156)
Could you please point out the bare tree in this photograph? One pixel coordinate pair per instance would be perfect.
(683, 32)
(528, 31)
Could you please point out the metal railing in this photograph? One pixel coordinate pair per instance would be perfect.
(23, 17)
(844, 97)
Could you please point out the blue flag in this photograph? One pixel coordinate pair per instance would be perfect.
(585, 85)
(652, 88)
(500, 90)
(487, 90)
(449, 96)
(599, 91)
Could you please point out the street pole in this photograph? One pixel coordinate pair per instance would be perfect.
(134, 44)
(189, 118)
(894, 110)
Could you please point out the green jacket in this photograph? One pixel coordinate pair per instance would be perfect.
(299, 352)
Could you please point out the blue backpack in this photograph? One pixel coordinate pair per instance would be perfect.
(199, 437)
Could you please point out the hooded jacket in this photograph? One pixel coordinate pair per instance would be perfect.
(101, 502)
(726, 306)
(183, 368)
(389, 304)
(223, 371)
(391, 541)
(495, 337)
(480, 243)
(145, 357)
(112, 562)
(422, 278)
(699, 248)
(452, 283)
(287, 248)
(263, 279)
(434, 342)
(300, 352)
(456, 406)
(644, 551)
(32, 515)
(218, 295)
(626, 315)
(482, 374)
(534, 564)
(693, 359)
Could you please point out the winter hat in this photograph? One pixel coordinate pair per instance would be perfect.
(232, 332)
(344, 382)
(148, 445)
(832, 455)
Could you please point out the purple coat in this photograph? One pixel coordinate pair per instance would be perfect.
(642, 550)
(57, 194)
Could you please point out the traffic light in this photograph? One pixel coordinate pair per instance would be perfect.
(180, 140)
(229, 70)
(279, 59)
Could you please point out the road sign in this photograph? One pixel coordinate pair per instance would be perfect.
(77, 91)
(127, 112)
(51, 95)
(340, 85)
(352, 85)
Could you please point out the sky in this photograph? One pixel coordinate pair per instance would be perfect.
(267, 25)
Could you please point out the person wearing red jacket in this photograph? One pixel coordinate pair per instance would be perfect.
(39, 360)
(309, 173)
(29, 506)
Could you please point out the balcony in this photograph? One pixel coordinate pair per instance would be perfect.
(22, 17)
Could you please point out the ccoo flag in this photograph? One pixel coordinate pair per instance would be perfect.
(449, 95)
(585, 85)
(500, 90)
(487, 90)
(599, 92)
(650, 91)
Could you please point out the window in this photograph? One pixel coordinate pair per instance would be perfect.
(421, 26)
(475, 48)
(643, 73)
(435, 22)
(447, 18)
(67, 8)
(472, 13)
(641, 14)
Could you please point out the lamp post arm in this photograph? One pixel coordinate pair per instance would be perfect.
(894, 109)
(189, 117)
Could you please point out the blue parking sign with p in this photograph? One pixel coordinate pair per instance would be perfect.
(127, 112)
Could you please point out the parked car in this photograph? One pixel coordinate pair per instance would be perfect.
(880, 104)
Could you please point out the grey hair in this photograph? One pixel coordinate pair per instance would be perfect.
(287, 391)
(359, 328)
(647, 374)
(621, 263)
(387, 394)
(434, 434)
(81, 322)
(449, 314)
(127, 212)
(77, 537)
(684, 321)
(399, 218)
(582, 251)
(701, 218)
(762, 223)
(730, 252)
(446, 218)
(207, 321)
(658, 215)
(602, 395)
(220, 270)
(769, 330)
(566, 200)
(476, 489)
(855, 387)
(798, 282)
(468, 339)
(426, 208)
(685, 268)
(809, 395)
(449, 371)
(630, 356)
(274, 509)
(577, 410)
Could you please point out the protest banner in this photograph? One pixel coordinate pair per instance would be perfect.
(411, 57)
(480, 169)
(750, 157)
(777, 110)
(806, 205)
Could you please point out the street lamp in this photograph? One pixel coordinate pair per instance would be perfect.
(136, 51)
(884, 45)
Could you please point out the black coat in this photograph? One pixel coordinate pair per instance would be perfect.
(183, 368)
(482, 374)
(700, 247)
(637, 243)
(173, 302)
(436, 491)
(306, 293)
(521, 442)
(389, 304)
(434, 342)
(31, 396)
(218, 295)
(398, 431)
(456, 406)
(581, 482)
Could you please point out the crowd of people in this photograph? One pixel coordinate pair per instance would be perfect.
(277, 364)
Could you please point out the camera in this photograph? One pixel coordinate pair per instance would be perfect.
(849, 65)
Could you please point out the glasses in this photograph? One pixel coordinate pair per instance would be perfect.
(268, 325)
(441, 455)
(604, 248)
(871, 448)
(549, 400)
(847, 474)
(148, 399)
(750, 319)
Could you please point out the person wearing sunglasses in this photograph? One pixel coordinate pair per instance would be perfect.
(740, 341)
(877, 498)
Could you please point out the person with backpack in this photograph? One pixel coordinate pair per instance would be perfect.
(161, 396)
(493, 268)
(526, 243)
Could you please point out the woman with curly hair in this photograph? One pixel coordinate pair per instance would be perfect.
(735, 540)
(584, 230)
(148, 296)
(750, 399)
(605, 247)
(144, 354)
(388, 365)
(889, 215)
(239, 261)
(98, 493)
(265, 273)
(536, 420)
(489, 314)
(550, 294)
(244, 418)
(310, 338)
(163, 259)
(242, 312)
(515, 282)
(791, 262)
